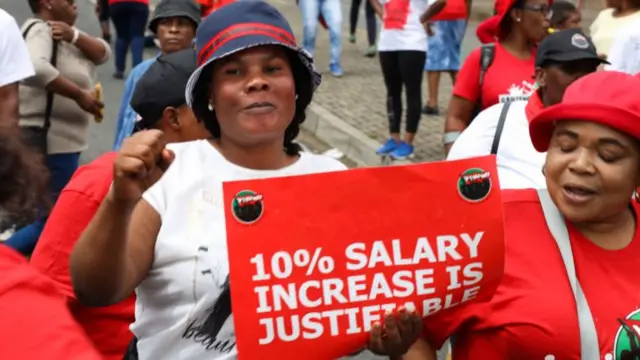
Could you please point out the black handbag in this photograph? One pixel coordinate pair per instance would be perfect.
(36, 136)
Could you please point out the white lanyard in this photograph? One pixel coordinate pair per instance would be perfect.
(589, 348)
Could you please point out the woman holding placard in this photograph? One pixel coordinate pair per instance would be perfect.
(570, 288)
(165, 237)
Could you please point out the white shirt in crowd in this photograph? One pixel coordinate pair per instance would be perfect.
(624, 55)
(519, 164)
(15, 63)
(190, 261)
(401, 29)
(605, 27)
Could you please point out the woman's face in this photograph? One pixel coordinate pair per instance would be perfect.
(591, 170)
(175, 34)
(64, 10)
(253, 95)
(534, 19)
(574, 21)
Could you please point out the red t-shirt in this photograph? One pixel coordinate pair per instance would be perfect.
(453, 10)
(508, 78)
(34, 322)
(107, 327)
(533, 315)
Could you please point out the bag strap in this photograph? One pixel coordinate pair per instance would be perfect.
(500, 127)
(487, 53)
(589, 349)
(54, 60)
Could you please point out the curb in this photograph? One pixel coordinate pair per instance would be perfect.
(354, 144)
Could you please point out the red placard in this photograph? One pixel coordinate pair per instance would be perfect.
(315, 260)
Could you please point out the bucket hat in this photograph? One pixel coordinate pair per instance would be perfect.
(608, 98)
(239, 26)
(175, 8)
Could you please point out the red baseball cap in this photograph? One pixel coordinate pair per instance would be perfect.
(608, 98)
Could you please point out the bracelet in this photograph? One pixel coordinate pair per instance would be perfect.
(76, 35)
(450, 137)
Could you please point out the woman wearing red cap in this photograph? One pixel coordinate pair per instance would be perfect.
(161, 229)
(498, 72)
(570, 289)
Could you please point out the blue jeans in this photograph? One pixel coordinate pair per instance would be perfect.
(130, 21)
(331, 10)
(61, 168)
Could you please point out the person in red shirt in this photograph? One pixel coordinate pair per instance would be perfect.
(159, 101)
(570, 288)
(35, 323)
(508, 76)
(208, 6)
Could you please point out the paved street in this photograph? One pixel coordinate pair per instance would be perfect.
(358, 98)
(102, 135)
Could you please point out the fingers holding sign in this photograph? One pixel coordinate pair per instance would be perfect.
(397, 333)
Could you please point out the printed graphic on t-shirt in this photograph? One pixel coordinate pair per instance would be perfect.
(627, 342)
(207, 330)
(213, 327)
(518, 92)
(396, 13)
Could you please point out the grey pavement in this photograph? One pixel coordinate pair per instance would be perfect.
(349, 113)
(101, 135)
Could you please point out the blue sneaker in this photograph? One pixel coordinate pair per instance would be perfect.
(387, 147)
(336, 70)
(402, 151)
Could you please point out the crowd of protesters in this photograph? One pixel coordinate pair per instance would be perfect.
(101, 265)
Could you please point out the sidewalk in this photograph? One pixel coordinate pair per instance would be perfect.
(349, 113)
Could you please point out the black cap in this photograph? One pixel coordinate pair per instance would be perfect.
(175, 8)
(566, 45)
(161, 86)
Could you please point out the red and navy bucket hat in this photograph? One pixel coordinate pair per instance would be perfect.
(239, 26)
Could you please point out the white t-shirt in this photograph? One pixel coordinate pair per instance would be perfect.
(15, 63)
(190, 264)
(604, 29)
(401, 28)
(519, 164)
(624, 54)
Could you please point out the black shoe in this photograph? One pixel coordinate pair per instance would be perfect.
(118, 75)
(430, 110)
